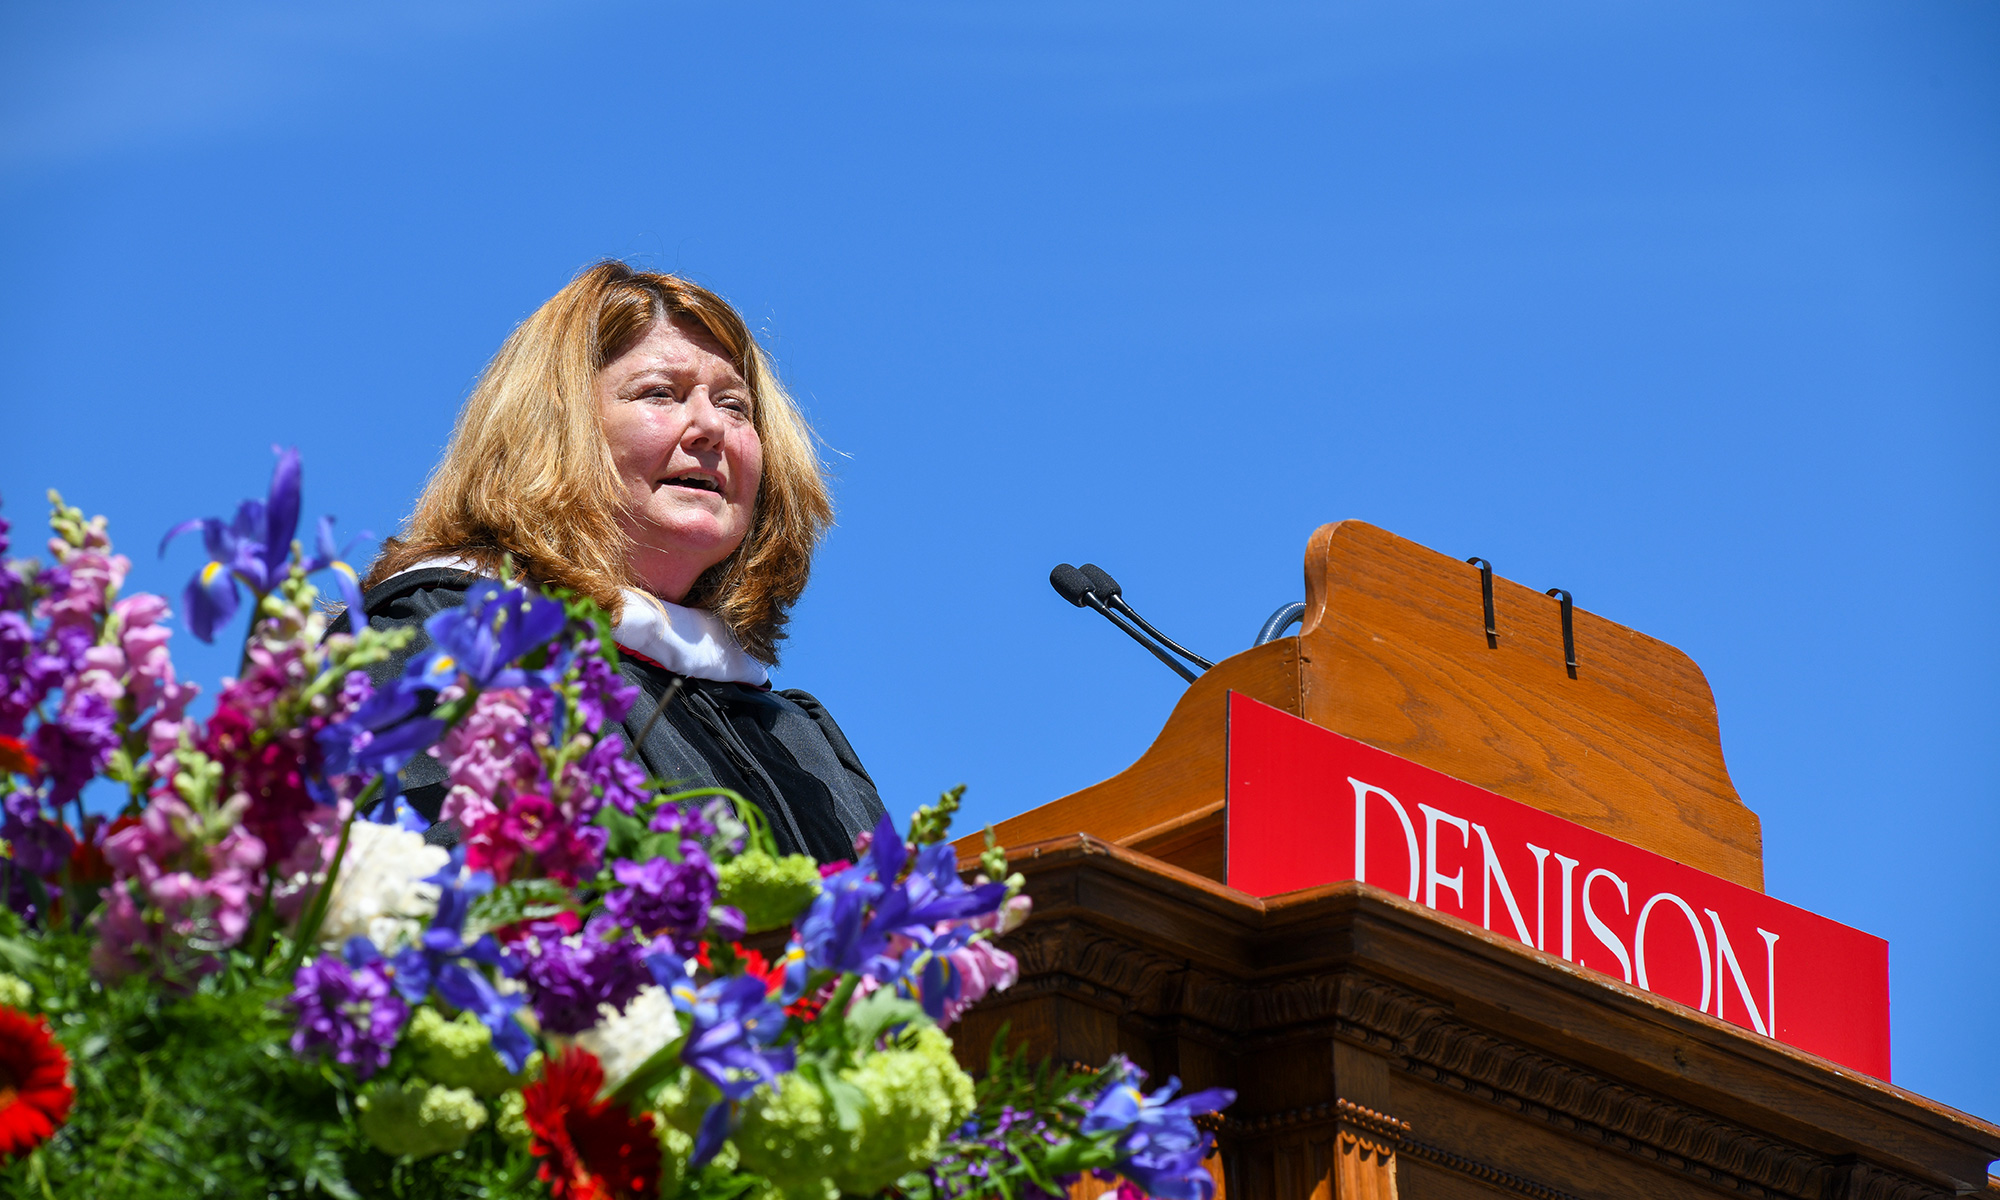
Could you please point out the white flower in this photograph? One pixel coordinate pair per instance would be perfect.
(624, 1041)
(381, 894)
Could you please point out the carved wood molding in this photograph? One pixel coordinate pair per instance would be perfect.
(1484, 1172)
(1450, 1054)
(1365, 1142)
(1423, 1037)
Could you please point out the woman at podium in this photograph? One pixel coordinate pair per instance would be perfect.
(631, 442)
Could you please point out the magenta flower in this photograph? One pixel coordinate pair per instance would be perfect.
(531, 836)
(268, 769)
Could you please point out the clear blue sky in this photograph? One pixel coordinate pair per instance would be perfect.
(1690, 308)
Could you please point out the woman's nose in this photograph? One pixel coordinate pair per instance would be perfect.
(704, 421)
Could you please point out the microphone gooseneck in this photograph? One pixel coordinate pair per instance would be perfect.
(1108, 590)
(1074, 586)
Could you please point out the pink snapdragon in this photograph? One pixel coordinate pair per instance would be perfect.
(89, 576)
(493, 755)
(175, 896)
(142, 642)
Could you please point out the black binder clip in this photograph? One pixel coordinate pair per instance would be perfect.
(1486, 594)
(1569, 630)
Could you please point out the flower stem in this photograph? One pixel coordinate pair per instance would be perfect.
(316, 912)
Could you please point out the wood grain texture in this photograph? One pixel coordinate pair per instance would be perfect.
(1393, 653)
(1499, 1070)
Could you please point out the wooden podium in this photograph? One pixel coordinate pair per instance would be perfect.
(1381, 1049)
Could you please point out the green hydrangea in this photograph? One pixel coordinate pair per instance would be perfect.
(917, 1096)
(912, 1097)
(510, 1117)
(416, 1120)
(792, 1137)
(15, 991)
(459, 1053)
(770, 891)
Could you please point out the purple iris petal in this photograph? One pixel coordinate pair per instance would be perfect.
(731, 1023)
(1160, 1149)
(479, 639)
(714, 1130)
(281, 513)
(255, 548)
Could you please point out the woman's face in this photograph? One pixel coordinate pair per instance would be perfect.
(678, 418)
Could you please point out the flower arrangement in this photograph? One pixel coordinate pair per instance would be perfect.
(250, 972)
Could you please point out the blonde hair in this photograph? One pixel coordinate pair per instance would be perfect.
(529, 474)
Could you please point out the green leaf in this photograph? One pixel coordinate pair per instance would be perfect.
(623, 832)
(880, 1010)
(659, 1068)
(522, 900)
(849, 1101)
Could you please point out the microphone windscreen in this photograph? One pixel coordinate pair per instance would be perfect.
(1069, 583)
(1100, 581)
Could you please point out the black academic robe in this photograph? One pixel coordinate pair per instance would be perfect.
(780, 750)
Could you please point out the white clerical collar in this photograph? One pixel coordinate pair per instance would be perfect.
(686, 641)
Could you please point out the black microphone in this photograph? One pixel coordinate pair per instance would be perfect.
(1108, 590)
(1074, 586)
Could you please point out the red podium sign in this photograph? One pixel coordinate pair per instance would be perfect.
(1307, 806)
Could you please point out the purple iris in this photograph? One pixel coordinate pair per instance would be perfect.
(328, 557)
(445, 962)
(494, 628)
(382, 734)
(254, 548)
(926, 973)
(732, 1022)
(347, 1008)
(848, 927)
(1159, 1147)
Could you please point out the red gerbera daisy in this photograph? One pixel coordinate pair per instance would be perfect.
(35, 1094)
(596, 1150)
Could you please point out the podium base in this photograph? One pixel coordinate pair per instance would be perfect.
(1380, 1049)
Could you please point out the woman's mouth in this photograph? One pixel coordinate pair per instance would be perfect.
(699, 481)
